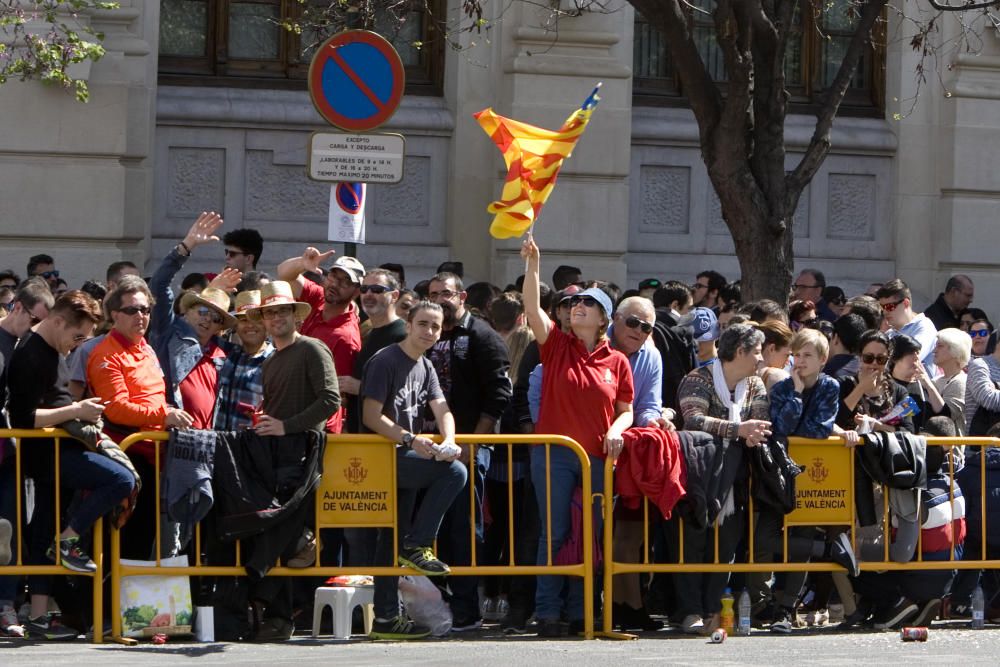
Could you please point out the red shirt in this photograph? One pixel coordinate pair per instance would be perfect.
(342, 334)
(199, 389)
(580, 389)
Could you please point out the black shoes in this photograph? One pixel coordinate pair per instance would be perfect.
(551, 628)
(626, 618)
(896, 615)
(842, 553)
(49, 628)
(72, 556)
(400, 628)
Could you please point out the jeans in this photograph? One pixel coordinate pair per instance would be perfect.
(8, 510)
(565, 473)
(455, 543)
(81, 470)
(442, 481)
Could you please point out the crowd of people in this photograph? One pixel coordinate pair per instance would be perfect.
(693, 392)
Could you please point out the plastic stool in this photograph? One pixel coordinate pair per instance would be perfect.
(342, 600)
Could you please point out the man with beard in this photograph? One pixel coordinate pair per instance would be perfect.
(334, 318)
(471, 362)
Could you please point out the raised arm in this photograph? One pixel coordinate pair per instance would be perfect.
(537, 319)
(291, 269)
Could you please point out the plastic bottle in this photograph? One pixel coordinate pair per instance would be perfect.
(727, 611)
(743, 609)
(978, 608)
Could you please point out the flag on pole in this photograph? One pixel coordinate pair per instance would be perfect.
(534, 157)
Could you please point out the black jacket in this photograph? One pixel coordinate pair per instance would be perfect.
(941, 315)
(897, 460)
(713, 468)
(478, 367)
(263, 488)
(680, 355)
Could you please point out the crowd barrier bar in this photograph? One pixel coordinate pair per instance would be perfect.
(612, 567)
(585, 570)
(17, 567)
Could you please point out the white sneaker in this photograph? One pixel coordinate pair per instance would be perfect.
(692, 624)
(10, 626)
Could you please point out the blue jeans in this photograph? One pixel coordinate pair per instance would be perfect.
(8, 510)
(565, 472)
(442, 481)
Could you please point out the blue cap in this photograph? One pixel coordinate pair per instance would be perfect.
(599, 295)
(703, 323)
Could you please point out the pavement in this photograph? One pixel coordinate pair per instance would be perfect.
(948, 644)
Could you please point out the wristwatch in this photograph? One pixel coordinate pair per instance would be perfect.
(407, 439)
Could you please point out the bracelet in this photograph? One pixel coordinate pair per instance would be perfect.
(186, 249)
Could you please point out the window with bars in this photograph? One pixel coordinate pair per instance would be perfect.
(813, 55)
(243, 42)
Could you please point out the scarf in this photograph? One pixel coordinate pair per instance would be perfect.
(734, 403)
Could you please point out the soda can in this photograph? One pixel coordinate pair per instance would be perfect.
(913, 634)
(719, 636)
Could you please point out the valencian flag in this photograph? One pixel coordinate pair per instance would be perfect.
(533, 156)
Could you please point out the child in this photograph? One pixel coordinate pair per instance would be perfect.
(804, 404)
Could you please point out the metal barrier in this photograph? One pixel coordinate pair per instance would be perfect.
(18, 568)
(380, 446)
(612, 567)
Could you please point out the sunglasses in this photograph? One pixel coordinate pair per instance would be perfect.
(889, 307)
(632, 322)
(233, 253)
(205, 311)
(982, 333)
(9, 306)
(49, 274)
(132, 310)
(588, 301)
(880, 359)
(376, 289)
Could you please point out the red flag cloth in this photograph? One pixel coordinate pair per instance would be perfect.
(651, 465)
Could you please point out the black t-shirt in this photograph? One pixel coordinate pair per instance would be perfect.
(37, 377)
(377, 339)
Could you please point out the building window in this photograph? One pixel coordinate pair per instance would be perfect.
(230, 42)
(813, 55)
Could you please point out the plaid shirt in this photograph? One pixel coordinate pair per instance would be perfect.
(241, 380)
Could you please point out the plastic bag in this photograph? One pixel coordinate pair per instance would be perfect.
(424, 605)
(156, 604)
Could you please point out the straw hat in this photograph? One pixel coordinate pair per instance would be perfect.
(278, 293)
(212, 297)
(245, 301)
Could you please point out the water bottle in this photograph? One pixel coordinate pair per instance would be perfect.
(727, 611)
(978, 608)
(743, 607)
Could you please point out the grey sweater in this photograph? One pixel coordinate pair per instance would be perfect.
(300, 385)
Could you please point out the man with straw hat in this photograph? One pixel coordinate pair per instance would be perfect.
(188, 346)
(241, 380)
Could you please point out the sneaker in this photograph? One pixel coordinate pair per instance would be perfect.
(494, 609)
(817, 617)
(466, 624)
(895, 615)
(397, 628)
(782, 624)
(842, 553)
(49, 628)
(422, 560)
(72, 556)
(274, 630)
(550, 628)
(10, 625)
(516, 622)
(306, 554)
(928, 612)
(5, 533)
(692, 624)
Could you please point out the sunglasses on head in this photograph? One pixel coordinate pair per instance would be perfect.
(982, 333)
(632, 322)
(588, 301)
(889, 307)
(132, 310)
(205, 311)
(375, 289)
(880, 359)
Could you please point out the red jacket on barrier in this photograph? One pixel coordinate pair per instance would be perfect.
(651, 465)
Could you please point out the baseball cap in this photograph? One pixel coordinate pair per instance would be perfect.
(350, 266)
(599, 295)
(703, 323)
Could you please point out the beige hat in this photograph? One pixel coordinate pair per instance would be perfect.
(212, 297)
(245, 301)
(352, 267)
(278, 293)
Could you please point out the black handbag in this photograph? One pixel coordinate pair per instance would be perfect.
(773, 476)
(983, 420)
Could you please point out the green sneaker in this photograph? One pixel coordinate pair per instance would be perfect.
(397, 628)
(422, 560)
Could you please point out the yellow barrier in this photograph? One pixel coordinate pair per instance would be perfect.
(18, 568)
(834, 486)
(365, 446)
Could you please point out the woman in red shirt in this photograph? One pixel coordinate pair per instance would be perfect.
(586, 395)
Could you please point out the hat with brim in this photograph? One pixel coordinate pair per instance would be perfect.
(212, 297)
(278, 293)
(598, 295)
(244, 302)
(354, 269)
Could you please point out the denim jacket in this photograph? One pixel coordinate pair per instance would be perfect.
(174, 340)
